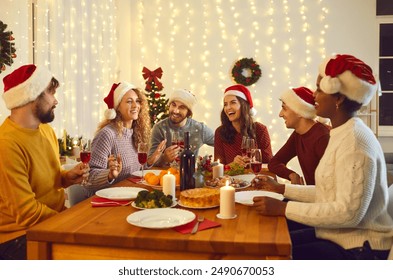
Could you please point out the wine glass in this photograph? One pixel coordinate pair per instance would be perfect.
(142, 155)
(244, 146)
(248, 144)
(256, 161)
(85, 155)
(177, 140)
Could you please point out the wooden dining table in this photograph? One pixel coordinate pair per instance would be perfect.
(86, 232)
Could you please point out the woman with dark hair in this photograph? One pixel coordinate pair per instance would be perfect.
(346, 210)
(236, 122)
(114, 154)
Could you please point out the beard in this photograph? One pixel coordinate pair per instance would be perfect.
(45, 116)
(176, 118)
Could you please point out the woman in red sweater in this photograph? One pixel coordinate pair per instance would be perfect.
(236, 122)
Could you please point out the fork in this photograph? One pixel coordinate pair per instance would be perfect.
(200, 220)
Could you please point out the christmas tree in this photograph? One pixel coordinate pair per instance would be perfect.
(7, 49)
(157, 101)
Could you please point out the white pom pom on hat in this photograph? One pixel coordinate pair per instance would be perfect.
(348, 75)
(242, 92)
(114, 97)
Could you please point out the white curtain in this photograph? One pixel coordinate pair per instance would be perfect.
(76, 40)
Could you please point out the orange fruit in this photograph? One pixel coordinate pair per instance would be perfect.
(173, 170)
(162, 180)
(147, 175)
(162, 173)
(153, 180)
(177, 177)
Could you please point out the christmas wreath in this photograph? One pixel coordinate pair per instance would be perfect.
(7, 49)
(251, 67)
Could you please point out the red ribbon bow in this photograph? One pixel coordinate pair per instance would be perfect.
(152, 76)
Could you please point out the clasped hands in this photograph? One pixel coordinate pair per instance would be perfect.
(266, 205)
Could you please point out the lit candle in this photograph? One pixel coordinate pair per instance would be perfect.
(169, 185)
(227, 202)
(75, 148)
(218, 170)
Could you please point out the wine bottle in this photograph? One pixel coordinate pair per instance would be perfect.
(187, 165)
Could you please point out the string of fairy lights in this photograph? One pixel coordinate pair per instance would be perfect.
(77, 41)
(200, 41)
(195, 42)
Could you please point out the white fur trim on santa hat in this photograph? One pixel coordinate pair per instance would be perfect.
(298, 105)
(29, 90)
(253, 111)
(183, 96)
(122, 89)
(236, 93)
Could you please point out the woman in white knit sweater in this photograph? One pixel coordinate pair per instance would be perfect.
(345, 213)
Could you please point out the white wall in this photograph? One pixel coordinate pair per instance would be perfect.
(197, 42)
(14, 13)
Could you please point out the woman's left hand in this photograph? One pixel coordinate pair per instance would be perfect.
(115, 166)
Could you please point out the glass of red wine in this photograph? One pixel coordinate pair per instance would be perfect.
(85, 155)
(143, 148)
(256, 161)
(177, 140)
(247, 146)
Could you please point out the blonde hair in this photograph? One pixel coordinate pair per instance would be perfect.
(141, 126)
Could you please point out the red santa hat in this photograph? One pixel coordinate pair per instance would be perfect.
(184, 96)
(114, 97)
(301, 101)
(242, 92)
(25, 84)
(348, 75)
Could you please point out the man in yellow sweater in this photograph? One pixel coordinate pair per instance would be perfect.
(31, 179)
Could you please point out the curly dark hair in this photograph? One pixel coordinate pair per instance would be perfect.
(247, 125)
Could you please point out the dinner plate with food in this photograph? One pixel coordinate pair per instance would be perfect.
(234, 181)
(153, 199)
(154, 178)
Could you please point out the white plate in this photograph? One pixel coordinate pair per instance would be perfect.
(160, 218)
(190, 207)
(246, 178)
(246, 197)
(174, 203)
(120, 193)
(139, 172)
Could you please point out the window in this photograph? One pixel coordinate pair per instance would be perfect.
(385, 122)
(384, 7)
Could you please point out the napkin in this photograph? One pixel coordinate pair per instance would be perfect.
(206, 224)
(134, 179)
(97, 201)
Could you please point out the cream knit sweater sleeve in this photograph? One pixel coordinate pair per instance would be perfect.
(351, 191)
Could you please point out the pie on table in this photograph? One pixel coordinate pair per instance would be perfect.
(200, 197)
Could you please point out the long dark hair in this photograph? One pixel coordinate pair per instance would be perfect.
(227, 130)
